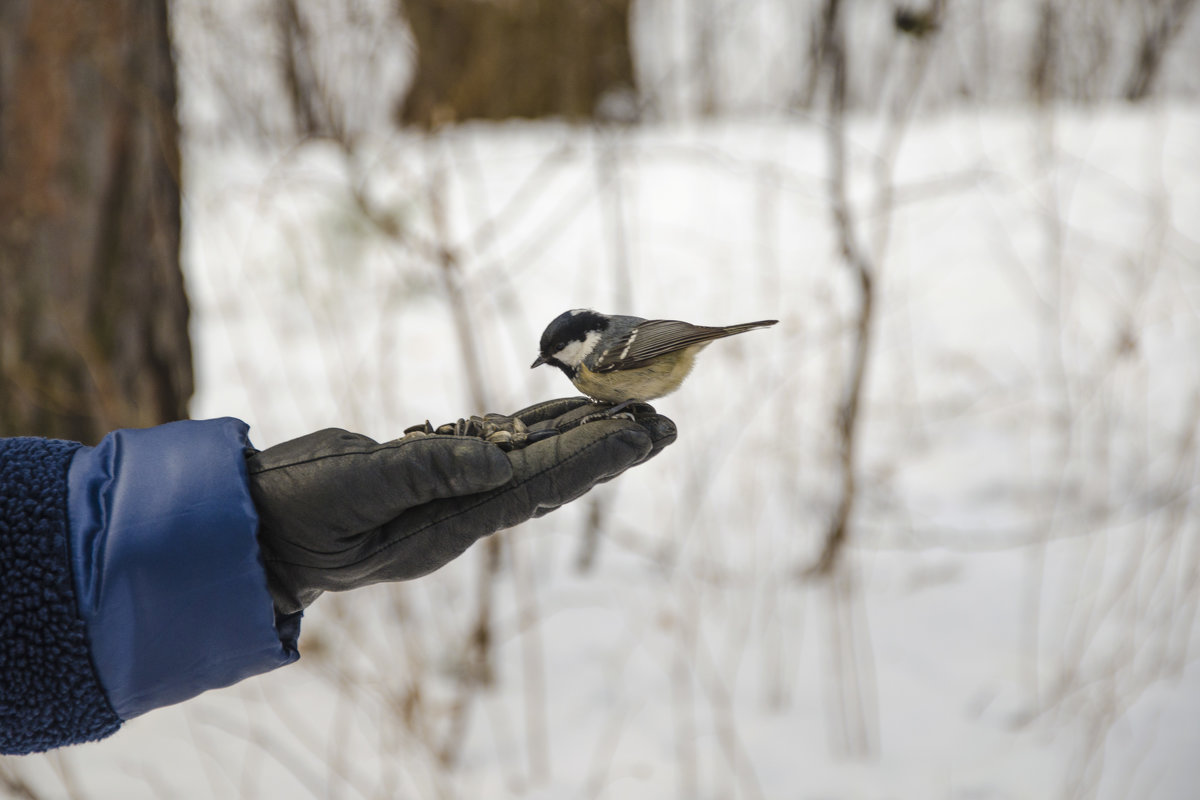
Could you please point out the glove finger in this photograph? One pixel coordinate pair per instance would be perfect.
(545, 475)
(549, 409)
(556, 471)
(662, 432)
(346, 483)
(429, 468)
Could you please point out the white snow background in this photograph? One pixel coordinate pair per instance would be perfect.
(1016, 613)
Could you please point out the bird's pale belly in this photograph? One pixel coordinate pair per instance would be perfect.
(642, 383)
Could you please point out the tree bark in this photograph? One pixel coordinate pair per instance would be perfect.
(93, 314)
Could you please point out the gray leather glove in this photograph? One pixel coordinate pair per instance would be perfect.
(338, 510)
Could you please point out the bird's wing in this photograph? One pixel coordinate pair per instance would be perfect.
(656, 337)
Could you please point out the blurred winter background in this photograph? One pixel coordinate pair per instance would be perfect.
(937, 535)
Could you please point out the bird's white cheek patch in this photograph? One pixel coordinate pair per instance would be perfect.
(575, 352)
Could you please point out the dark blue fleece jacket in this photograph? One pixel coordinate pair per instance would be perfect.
(129, 579)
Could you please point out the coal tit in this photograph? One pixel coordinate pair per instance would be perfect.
(619, 359)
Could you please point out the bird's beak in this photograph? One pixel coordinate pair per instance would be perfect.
(537, 362)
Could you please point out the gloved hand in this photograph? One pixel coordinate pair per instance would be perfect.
(338, 510)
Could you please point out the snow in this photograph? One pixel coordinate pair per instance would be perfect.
(1016, 615)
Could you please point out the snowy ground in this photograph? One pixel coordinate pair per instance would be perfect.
(1017, 615)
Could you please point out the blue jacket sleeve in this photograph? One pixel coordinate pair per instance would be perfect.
(166, 564)
(163, 580)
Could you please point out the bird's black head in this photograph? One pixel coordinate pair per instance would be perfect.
(570, 338)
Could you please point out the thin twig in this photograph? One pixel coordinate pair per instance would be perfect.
(862, 271)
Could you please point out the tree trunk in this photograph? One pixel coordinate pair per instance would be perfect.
(516, 58)
(93, 315)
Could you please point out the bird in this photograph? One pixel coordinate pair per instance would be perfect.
(622, 359)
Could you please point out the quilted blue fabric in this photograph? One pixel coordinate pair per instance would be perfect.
(168, 576)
